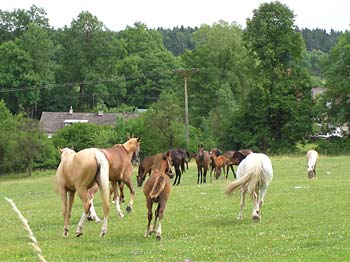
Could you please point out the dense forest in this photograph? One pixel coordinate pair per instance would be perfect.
(251, 87)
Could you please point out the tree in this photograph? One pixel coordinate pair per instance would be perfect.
(89, 56)
(222, 60)
(26, 65)
(148, 68)
(15, 23)
(7, 140)
(280, 116)
(337, 96)
(29, 143)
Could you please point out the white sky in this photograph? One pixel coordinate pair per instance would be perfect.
(117, 14)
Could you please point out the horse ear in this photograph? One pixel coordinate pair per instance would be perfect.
(139, 139)
(60, 150)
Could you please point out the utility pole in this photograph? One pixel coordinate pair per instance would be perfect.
(185, 74)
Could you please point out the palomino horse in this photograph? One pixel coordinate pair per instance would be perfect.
(202, 161)
(120, 168)
(254, 174)
(311, 157)
(80, 172)
(157, 189)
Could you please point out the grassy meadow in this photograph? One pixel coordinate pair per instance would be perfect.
(302, 220)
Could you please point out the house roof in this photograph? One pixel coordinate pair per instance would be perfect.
(53, 121)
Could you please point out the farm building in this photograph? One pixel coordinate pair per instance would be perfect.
(51, 122)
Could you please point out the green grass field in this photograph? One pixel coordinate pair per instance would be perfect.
(302, 220)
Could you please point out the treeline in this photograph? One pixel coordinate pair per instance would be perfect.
(247, 88)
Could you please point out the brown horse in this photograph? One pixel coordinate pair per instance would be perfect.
(202, 161)
(157, 189)
(120, 168)
(79, 172)
(144, 168)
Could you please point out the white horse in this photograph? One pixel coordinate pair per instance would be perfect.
(254, 174)
(311, 157)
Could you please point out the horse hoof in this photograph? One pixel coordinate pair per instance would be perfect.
(97, 220)
(78, 234)
(103, 233)
(256, 219)
(158, 237)
(128, 209)
(121, 215)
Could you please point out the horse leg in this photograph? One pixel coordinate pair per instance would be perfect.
(178, 174)
(67, 208)
(149, 203)
(161, 208)
(121, 188)
(116, 199)
(132, 195)
(92, 212)
(243, 192)
(233, 171)
(255, 213)
(84, 195)
(205, 176)
(175, 178)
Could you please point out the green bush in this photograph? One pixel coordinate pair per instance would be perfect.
(83, 135)
(334, 146)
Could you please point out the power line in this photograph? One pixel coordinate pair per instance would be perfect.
(67, 84)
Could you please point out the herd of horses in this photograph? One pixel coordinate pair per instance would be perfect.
(91, 169)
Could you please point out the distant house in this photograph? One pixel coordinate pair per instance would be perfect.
(51, 122)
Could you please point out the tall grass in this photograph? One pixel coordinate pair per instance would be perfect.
(302, 220)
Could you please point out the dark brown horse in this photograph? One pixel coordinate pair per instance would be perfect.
(157, 189)
(202, 161)
(144, 168)
(178, 160)
(120, 169)
(235, 158)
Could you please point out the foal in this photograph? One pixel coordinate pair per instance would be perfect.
(157, 189)
(311, 157)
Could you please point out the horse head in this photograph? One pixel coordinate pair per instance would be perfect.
(310, 172)
(167, 158)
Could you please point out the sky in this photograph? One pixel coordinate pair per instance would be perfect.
(117, 14)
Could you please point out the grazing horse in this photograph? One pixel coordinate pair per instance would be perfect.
(157, 189)
(202, 161)
(311, 157)
(178, 161)
(144, 168)
(254, 174)
(80, 172)
(185, 156)
(120, 168)
(234, 158)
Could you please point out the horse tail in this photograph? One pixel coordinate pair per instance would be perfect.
(235, 184)
(103, 165)
(255, 167)
(158, 187)
(183, 165)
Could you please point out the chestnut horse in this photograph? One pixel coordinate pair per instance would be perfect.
(254, 174)
(218, 162)
(202, 161)
(120, 168)
(79, 172)
(157, 189)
